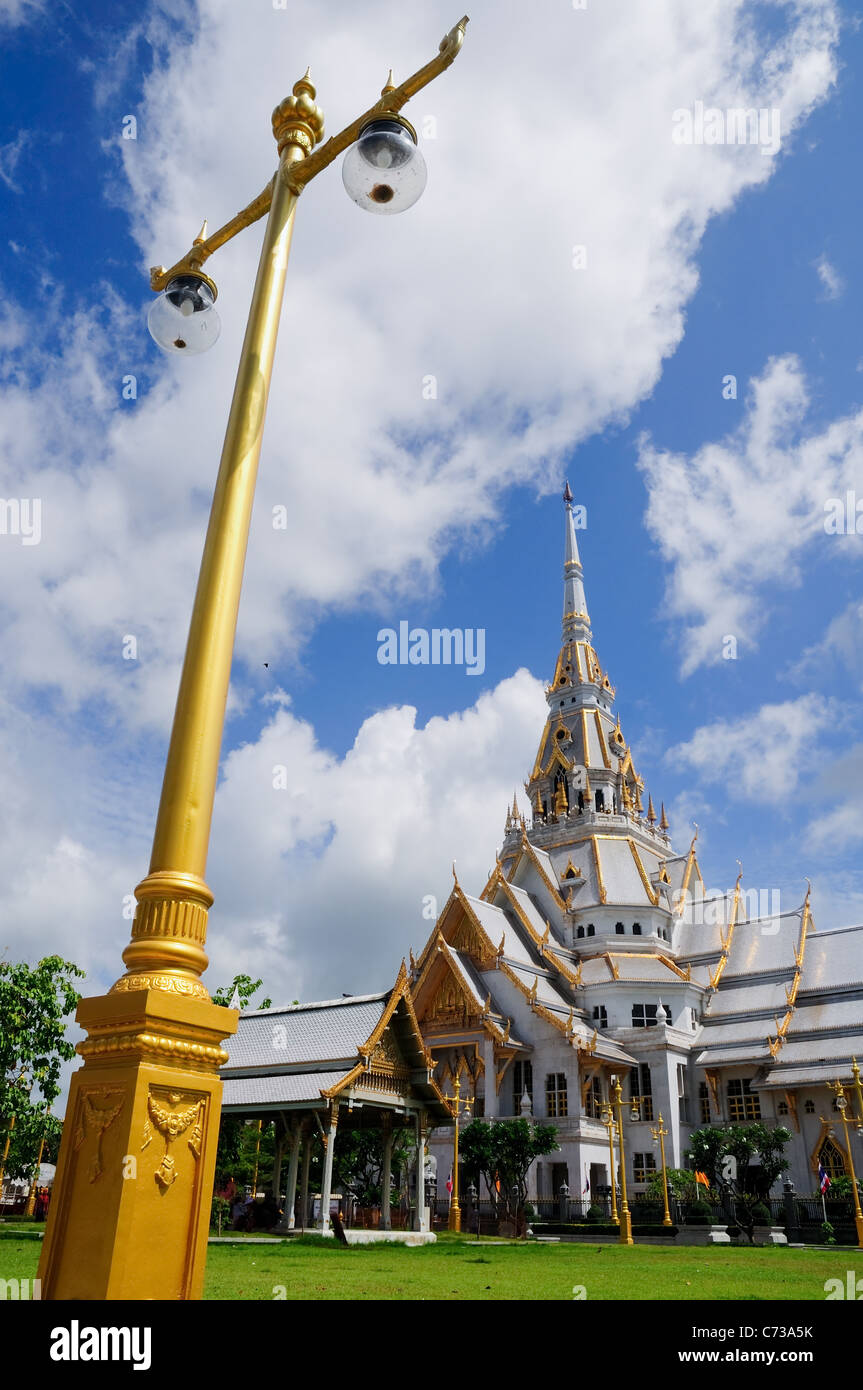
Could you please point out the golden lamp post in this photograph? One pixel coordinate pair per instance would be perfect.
(858, 1118)
(842, 1105)
(134, 1181)
(456, 1104)
(608, 1121)
(625, 1237)
(659, 1137)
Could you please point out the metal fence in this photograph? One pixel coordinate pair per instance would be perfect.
(801, 1218)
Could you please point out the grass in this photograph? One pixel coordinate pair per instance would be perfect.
(311, 1268)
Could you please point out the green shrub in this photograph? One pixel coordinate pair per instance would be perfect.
(699, 1214)
(761, 1215)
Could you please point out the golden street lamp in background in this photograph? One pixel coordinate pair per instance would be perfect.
(608, 1121)
(456, 1105)
(858, 1118)
(842, 1105)
(132, 1194)
(659, 1137)
(625, 1215)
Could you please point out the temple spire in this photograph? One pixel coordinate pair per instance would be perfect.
(576, 623)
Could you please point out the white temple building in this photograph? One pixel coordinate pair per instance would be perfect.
(592, 952)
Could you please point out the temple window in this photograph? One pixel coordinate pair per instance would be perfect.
(782, 1107)
(809, 1107)
(742, 1104)
(579, 931)
(619, 928)
(641, 1091)
(555, 1095)
(600, 800)
(600, 1015)
(644, 1015)
(593, 1099)
(591, 929)
(704, 1103)
(643, 1167)
(522, 1080)
(832, 1159)
(636, 929)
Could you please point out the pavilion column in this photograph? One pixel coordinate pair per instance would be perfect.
(490, 1076)
(304, 1182)
(283, 1138)
(327, 1176)
(419, 1214)
(387, 1172)
(288, 1220)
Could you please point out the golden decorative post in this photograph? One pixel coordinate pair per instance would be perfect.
(842, 1104)
(9, 1128)
(659, 1135)
(625, 1215)
(858, 1118)
(31, 1196)
(608, 1121)
(454, 1223)
(130, 1211)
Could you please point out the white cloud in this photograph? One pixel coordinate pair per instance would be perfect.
(16, 12)
(10, 158)
(758, 757)
(735, 519)
(474, 285)
(842, 645)
(832, 282)
(542, 145)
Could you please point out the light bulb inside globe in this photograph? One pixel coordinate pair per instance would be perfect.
(384, 171)
(183, 319)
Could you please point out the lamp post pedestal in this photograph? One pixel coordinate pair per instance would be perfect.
(130, 1211)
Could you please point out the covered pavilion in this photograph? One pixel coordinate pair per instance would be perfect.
(354, 1062)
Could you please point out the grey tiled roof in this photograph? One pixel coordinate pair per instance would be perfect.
(305, 1033)
(833, 958)
(242, 1091)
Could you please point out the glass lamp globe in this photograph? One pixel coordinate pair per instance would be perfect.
(384, 171)
(183, 319)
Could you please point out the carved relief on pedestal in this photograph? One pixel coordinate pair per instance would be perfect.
(99, 1108)
(172, 1114)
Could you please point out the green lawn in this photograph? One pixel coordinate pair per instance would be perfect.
(311, 1268)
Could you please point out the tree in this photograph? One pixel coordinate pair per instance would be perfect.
(707, 1151)
(750, 1188)
(681, 1185)
(242, 1147)
(34, 1002)
(501, 1152)
(358, 1162)
(245, 987)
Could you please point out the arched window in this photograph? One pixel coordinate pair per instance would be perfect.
(599, 800)
(619, 928)
(809, 1107)
(579, 931)
(636, 929)
(591, 929)
(832, 1159)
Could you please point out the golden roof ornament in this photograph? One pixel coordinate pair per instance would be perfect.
(663, 819)
(651, 814)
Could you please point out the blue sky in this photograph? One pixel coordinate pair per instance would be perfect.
(705, 515)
